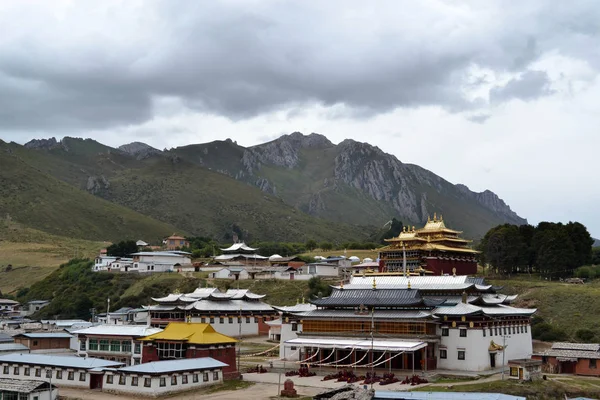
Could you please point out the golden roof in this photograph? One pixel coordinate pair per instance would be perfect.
(195, 333)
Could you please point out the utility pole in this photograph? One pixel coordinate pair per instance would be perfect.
(108, 311)
(372, 347)
(239, 340)
(503, 354)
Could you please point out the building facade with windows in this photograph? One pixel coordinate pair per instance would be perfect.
(185, 340)
(161, 378)
(232, 312)
(119, 343)
(45, 341)
(61, 370)
(420, 322)
(571, 358)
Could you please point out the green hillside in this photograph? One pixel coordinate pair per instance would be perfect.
(40, 201)
(207, 203)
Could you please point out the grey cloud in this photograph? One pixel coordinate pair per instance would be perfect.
(241, 59)
(529, 86)
(479, 118)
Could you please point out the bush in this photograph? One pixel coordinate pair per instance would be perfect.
(548, 333)
(585, 335)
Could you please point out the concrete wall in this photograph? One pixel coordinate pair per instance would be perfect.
(126, 386)
(287, 334)
(45, 343)
(476, 346)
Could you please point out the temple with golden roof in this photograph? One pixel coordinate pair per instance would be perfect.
(431, 249)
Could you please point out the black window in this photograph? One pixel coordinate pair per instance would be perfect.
(525, 328)
(195, 378)
(445, 332)
(443, 353)
(59, 374)
(496, 331)
(247, 320)
(215, 375)
(134, 381)
(147, 382)
(205, 377)
(294, 327)
(71, 375)
(109, 379)
(231, 320)
(184, 379)
(174, 380)
(483, 332)
(27, 371)
(82, 376)
(38, 372)
(463, 332)
(592, 363)
(163, 382)
(461, 354)
(212, 320)
(256, 320)
(221, 320)
(202, 320)
(491, 332)
(121, 379)
(5, 370)
(16, 370)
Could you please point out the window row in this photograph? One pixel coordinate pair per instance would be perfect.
(493, 331)
(113, 346)
(162, 382)
(460, 354)
(48, 373)
(238, 320)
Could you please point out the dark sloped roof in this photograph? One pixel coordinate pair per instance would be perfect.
(370, 297)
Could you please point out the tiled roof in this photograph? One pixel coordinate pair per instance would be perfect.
(571, 354)
(296, 308)
(370, 297)
(45, 335)
(165, 367)
(20, 385)
(194, 333)
(576, 346)
(229, 305)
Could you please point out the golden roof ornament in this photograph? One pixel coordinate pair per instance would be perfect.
(434, 217)
(409, 283)
(374, 284)
(341, 284)
(428, 218)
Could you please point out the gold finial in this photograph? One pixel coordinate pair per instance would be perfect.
(413, 228)
(409, 283)
(341, 284)
(302, 299)
(434, 217)
(374, 284)
(428, 218)
(189, 319)
(403, 229)
(428, 238)
(454, 271)
(441, 218)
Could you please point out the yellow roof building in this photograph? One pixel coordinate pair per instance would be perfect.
(192, 333)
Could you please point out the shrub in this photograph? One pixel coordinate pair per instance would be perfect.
(585, 335)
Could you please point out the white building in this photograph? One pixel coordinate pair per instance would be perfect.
(9, 308)
(235, 273)
(65, 371)
(288, 328)
(160, 261)
(160, 378)
(23, 389)
(425, 322)
(101, 262)
(33, 306)
(114, 342)
(226, 312)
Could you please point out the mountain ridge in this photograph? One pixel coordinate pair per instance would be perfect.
(352, 182)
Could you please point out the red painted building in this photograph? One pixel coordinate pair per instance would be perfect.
(571, 358)
(181, 340)
(431, 249)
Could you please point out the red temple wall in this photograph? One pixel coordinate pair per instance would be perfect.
(439, 266)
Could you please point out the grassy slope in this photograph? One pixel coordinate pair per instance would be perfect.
(559, 304)
(42, 202)
(540, 390)
(207, 203)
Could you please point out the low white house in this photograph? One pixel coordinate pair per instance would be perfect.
(323, 269)
(160, 261)
(159, 378)
(235, 273)
(61, 370)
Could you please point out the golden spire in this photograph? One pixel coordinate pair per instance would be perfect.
(413, 228)
(341, 284)
(441, 218)
(403, 228)
(409, 283)
(374, 284)
(428, 218)
(302, 299)
(434, 217)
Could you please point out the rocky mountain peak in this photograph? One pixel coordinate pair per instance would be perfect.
(139, 150)
(45, 144)
(313, 140)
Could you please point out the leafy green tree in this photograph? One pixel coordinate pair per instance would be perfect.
(326, 246)
(122, 249)
(318, 288)
(504, 248)
(555, 253)
(311, 244)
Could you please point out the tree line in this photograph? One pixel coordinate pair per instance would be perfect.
(553, 250)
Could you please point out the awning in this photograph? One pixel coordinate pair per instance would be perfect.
(379, 345)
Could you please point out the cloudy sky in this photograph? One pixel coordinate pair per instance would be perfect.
(499, 95)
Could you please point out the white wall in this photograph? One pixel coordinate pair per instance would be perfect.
(287, 334)
(155, 389)
(233, 329)
(131, 356)
(476, 346)
(64, 381)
